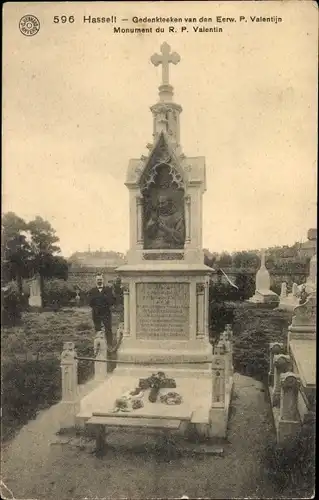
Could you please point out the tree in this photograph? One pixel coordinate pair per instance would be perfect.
(246, 260)
(15, 249)
(210, 257)
(225, 260)
(246, 285)
(43, 245)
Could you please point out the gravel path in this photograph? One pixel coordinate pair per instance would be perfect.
(34, 468)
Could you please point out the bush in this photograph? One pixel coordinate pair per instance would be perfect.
(221, 292)
(246, 285)
(253, 329)
(27, 386)
(10, 305)
(220, 315)
(57, 293)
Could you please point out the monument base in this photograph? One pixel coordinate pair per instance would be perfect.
(35, 302)
(288, 303)
(264, 297)
(192, 414)
(185, 356)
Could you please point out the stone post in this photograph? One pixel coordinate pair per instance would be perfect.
(69, 369)
(282, 364)
(200, 311)
(70, 399)
(226, 338)
(126, 294)
(100, 351)
(289, 421)
(274, 348)
(290, 384)
(218, 381)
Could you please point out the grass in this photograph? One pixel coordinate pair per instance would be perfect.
(31, 374)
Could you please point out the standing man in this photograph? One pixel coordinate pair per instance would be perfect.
(101, 302)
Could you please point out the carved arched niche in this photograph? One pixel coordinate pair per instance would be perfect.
(163, 212)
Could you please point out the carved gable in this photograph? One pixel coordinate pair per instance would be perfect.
(161, 155)
(162, 188)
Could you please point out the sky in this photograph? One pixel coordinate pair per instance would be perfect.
(76, 99)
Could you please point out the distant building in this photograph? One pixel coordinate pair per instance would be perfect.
(97, 259)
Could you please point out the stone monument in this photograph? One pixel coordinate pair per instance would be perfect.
(166, 280)
(311, 283)
(165, 287)
(293, 299)
(288, 301)
(35, 293)
(263, 294)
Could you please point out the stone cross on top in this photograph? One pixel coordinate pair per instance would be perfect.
(263, 258)
(164, 59)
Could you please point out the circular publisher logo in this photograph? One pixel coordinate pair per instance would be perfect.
(29, 25)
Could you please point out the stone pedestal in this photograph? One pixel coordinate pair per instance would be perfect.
(69, 373)
(282, 364)
(100, 351)
(289, 422)
(166, 308)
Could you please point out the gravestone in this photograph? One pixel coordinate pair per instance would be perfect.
(263, 294)
(35, 293)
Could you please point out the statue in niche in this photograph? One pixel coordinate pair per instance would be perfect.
(164, 225)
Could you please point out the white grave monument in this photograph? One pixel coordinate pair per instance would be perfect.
(165, 285)
(35, 293)
(263, 294)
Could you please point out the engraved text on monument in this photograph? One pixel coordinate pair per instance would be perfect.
(162, 310)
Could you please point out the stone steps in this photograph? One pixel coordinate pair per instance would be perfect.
(142, 422)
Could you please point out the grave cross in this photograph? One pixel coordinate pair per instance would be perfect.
(155, 383)
(164, 59)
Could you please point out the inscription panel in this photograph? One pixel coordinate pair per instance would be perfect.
(162, 311)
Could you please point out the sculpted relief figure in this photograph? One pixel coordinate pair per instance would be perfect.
(165, 228)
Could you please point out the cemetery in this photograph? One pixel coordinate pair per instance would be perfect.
(173, 383)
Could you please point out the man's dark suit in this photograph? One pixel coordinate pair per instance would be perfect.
(101, 303)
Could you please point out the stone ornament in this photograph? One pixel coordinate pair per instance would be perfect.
(100, 345)
(305, 314)
(200, 288)
(282, 362)
(290, 380)
(276, 348)
(68, 353)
